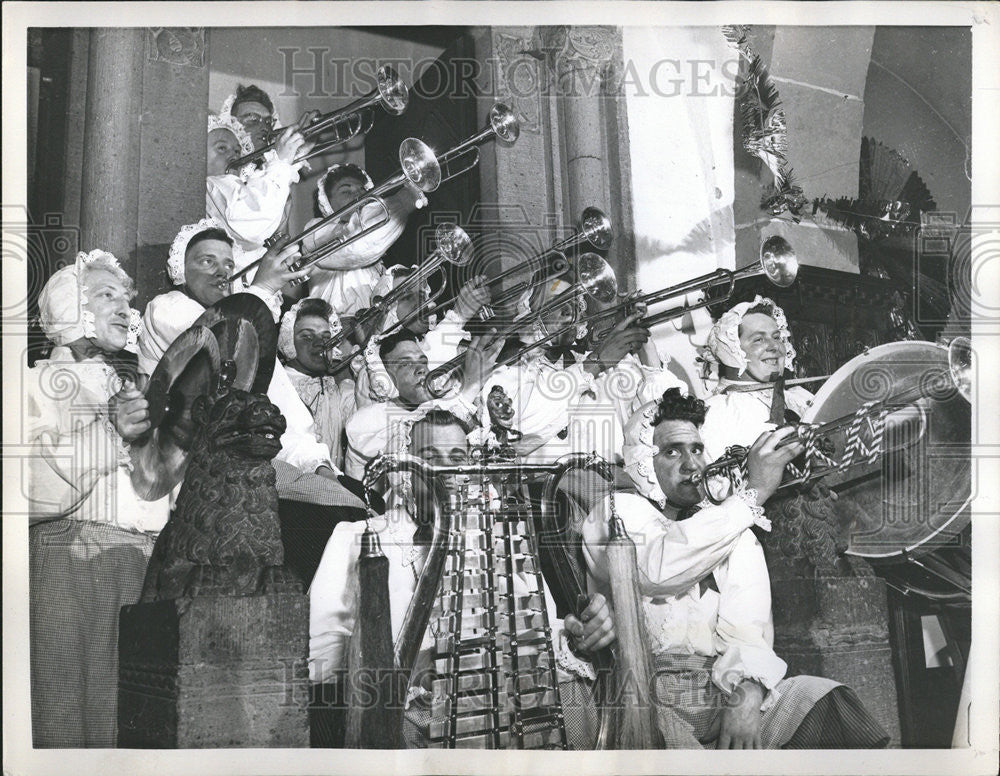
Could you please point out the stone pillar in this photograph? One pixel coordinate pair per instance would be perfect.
(584, 62)
(142, 155)
(109, 210)
(562, 84)
(209, 672)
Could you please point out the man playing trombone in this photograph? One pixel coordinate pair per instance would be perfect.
(346, 278)
(705, 595)
(252, 204)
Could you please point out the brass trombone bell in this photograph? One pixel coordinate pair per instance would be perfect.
(503, 125)
(596, 228)
(597, 278)
(418, 167)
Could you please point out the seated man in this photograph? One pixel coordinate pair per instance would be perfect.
(201, 262)
(750, 347)
(440, 438)
(346, 279)
(706, 597)
(251, 203)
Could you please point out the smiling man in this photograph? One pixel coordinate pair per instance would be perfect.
(750, 346)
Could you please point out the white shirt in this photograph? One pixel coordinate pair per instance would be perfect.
(330, 403)
(739, 417)
(251, 210)
(734, 623)
(333, 595)
(79, 466)
(549, 398)
(170, 314)
(347, 277)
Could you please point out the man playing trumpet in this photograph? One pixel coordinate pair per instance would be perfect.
(706, 599)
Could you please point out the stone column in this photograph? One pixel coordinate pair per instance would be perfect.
(584, 62)
(142, 155)
(109, 209)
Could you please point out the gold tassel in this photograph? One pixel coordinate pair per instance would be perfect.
(371, 724)
(637, 727)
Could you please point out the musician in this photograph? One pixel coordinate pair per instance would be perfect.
(751, 351)
(252, 203)
(329, 397)
(439, 437)
(406, 366)
(562, 397)
(90, 534)
(706, 596)
(440, 339)
(347, 277)
(202, 258)
(254, 110)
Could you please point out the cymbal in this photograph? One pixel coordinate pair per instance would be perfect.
(248, 340)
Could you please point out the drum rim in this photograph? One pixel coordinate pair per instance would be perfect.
(808, 417)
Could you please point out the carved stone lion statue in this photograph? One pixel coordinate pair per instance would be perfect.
(224, 537)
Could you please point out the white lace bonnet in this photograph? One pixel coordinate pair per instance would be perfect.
(324, 201)
(175, 260)
(723, 343)
(228, 123)
(62, 304)
(638, 451)
(286, 333)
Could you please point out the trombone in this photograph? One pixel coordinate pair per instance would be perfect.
(391, 94)
(453, 245)
(595, 279)
(777, 262)
(595, 229)
(502, 124)
(418, 166)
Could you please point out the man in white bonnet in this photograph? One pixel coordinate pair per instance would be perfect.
(750, 351)
(706, 595)
(91, 529)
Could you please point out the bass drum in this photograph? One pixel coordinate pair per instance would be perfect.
(915, 498)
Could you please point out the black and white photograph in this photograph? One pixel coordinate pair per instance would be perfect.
(389, 378)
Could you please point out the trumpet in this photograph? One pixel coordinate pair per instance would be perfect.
(595, 279)
(346, 123)
(823, 457)
(777, 262)
(453, 245)
(418, 166)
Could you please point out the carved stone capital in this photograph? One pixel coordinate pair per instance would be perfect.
(579, 56)
(176, 45)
